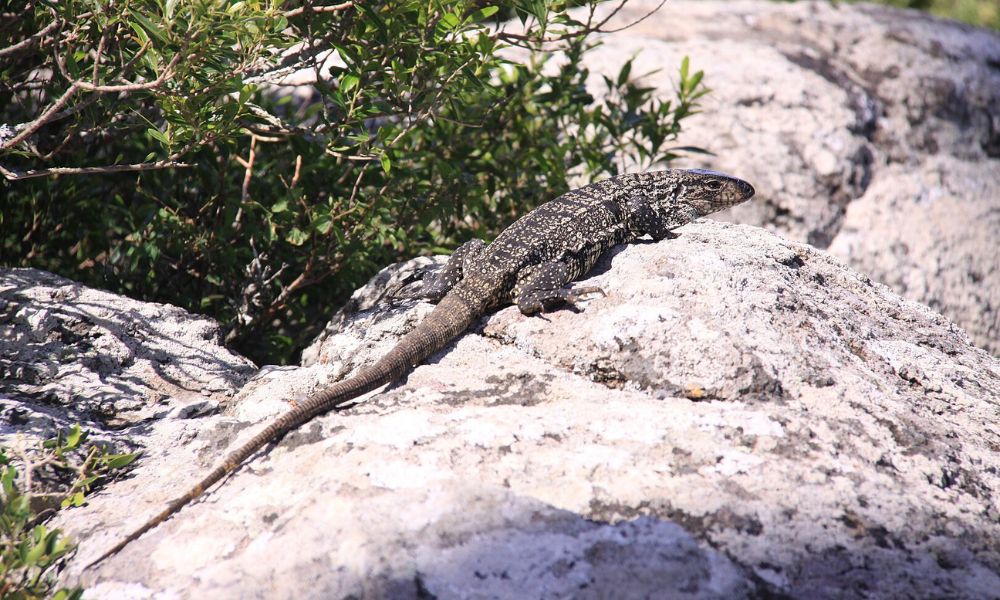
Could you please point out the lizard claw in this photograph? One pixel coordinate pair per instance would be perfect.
(574, 295)
(540, 302)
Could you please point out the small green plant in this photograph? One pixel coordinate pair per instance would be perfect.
(34, 484)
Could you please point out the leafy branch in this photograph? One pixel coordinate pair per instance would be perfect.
(318, 140)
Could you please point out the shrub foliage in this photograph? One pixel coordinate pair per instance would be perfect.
(34, 483)
(257, 160)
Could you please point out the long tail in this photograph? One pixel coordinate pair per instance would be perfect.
(452, 316)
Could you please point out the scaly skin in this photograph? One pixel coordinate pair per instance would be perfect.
(529, 264)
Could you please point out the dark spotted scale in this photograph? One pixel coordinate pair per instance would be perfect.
(529, 264)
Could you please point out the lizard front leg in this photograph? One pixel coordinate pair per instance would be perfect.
(439, 283)
(644, 219)
(543, 286)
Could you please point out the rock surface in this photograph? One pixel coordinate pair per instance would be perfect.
(72, 354)
(741, 416)
(869, 131)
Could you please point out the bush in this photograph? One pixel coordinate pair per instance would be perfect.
(984, 13)
(258, 160)
(54, 476)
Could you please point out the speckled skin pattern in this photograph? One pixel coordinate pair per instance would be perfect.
(529, 264)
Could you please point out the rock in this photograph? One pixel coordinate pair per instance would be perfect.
(741, 416)
(869, 131)
(72, 354)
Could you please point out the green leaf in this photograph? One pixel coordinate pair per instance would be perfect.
(7, 480)
(449, 21)
(348, 82)
(696, 79)
(692, 149)
(322, 223)
(68, 594)
(624, 73)
(36, 551)
(139, 32)
(148, 25)
(373, 16)
(386, 163)
(296, 236)
(58, 544)
(159, 136)
(75, 499)
(73, 437)
(117, 461)
(168, 9)
(152, 60)
(484, 13)
(72, 66)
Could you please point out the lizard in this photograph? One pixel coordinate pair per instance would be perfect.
(529, 264)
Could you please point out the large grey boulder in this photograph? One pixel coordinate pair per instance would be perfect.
(869, 131)
(72, 354)
(740, 416)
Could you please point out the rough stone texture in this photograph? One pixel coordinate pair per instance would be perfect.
(870, 131)
(741, 416)
(72, 354)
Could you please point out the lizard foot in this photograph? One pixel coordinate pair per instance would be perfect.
(542, 300)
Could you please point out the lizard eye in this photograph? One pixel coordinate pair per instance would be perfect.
(714, 185)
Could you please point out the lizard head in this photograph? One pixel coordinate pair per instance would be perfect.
(663, 200)
(709, 191)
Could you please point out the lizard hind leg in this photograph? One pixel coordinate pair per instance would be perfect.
(545, 286)
(439, 283)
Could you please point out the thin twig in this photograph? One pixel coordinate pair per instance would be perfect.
(100, 52)
(637, 21)
(128, 87)
(357, 186)
(248, 165)
(277, 126)
(42, 119)
(28, 41)
(160, 164)
(587, 29)
(302, 280)
(317, 9)
(69, 112)
(75, 86)
(142, 50)
(357, 157)
(48, 155)
(30, 85)
(298, 169)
